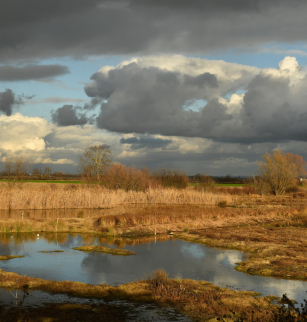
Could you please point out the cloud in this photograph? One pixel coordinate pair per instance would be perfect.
(97, 27)
(67, 115)
(21, 133)
(41, 160)
(12, 74)
(44, 143)
(145, 142)
(152, 95)
(9, 101)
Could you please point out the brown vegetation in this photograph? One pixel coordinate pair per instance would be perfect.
(171, 178)
(125, 178)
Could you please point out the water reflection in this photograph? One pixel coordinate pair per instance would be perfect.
(177, 257)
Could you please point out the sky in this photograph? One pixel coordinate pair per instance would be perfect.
(204, 86)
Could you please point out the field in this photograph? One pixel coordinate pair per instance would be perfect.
(271, 229)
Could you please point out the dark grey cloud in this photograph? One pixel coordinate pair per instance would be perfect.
(11, 73)
(9, 100)
(77, 28)
(153, 100)
(95, 101)
(145, 142)
(68, 115)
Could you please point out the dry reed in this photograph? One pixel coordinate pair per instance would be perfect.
(45, 196)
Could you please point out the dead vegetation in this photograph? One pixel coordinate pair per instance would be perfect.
(52, 196)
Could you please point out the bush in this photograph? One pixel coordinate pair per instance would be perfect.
(121, 177)
(222, 204)
(171, 178)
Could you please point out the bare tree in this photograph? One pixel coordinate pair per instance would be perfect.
(47, 172)
(16, 169)
(95, 161)
(281, 170)
(37, 172)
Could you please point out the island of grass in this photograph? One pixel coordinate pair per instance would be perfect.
(50, 251)
(7, 257)
(105, 250)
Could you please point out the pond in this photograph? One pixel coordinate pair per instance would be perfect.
(177, 257)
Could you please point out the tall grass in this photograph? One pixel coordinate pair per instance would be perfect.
(44, 196)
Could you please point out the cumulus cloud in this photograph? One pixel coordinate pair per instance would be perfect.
(152, 95)
(20, 133)
(100, 27)
(12, 74)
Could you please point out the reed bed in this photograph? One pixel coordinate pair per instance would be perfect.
(46, 196)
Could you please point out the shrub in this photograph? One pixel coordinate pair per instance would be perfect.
(126, 178)
(171, 178)
(262, 186)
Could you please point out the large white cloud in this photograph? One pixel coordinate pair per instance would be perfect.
(18, 133)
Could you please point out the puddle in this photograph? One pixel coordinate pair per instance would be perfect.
(177, 257)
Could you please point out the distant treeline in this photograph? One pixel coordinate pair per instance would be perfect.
(163, 174)
(217, 179)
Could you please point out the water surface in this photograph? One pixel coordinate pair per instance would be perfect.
(177, 257)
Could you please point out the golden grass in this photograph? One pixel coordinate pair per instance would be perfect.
(200, 300)
(47, 196)
(105, 250)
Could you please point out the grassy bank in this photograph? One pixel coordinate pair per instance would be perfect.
(199, 300)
